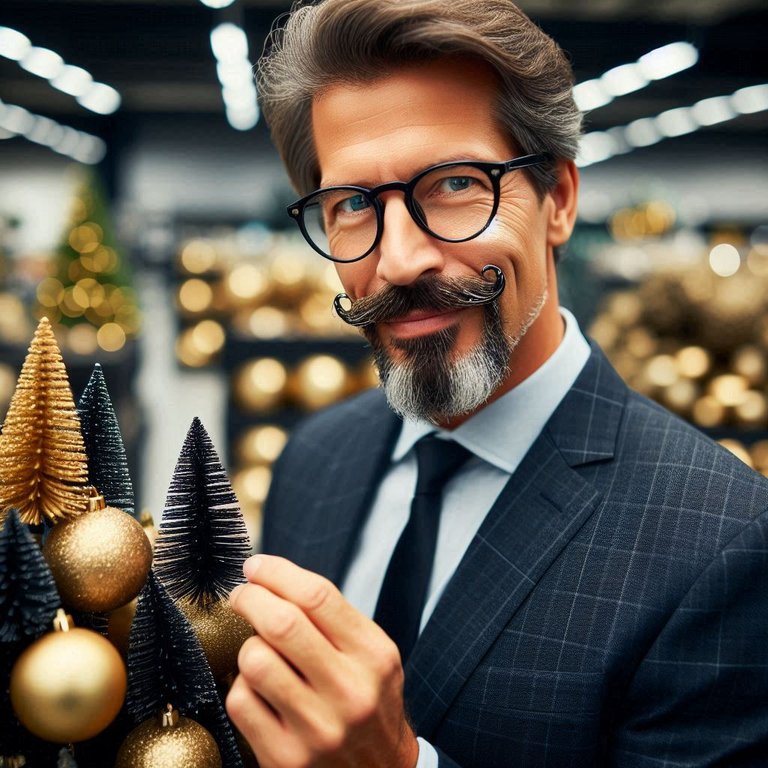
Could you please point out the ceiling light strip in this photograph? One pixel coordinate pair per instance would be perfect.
(235, 72)
(80, 146)
(598, 146)
(74, 81)
(628, 78)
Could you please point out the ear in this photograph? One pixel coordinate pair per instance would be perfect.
(564, 198)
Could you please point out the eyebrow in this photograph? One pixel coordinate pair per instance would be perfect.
(368, 184)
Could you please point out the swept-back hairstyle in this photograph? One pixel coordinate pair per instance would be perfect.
(356, 41)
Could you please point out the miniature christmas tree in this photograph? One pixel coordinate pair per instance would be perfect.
(166, 665)
(200, 550)
(107, 460)
(28, 603)
(203, 541)
(43, 466)
(92, 283)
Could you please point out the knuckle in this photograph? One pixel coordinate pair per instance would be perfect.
(362, 702)
(317, 593)
(253, 659)
(237, 703)
(328, 736)
(386, 660)
(282, 622)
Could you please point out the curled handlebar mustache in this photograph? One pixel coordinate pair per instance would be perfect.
(395, 301)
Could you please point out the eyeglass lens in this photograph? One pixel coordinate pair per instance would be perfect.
(454, 203)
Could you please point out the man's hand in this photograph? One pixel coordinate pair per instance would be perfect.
(320, 684)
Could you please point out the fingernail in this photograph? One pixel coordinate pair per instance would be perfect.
(251, 565)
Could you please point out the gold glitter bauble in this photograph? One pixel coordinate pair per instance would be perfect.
(68, 685)
(119, 625)
(183, 744)
(99, 560)
(221, 633)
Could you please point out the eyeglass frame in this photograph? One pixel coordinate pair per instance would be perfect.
(494, 170)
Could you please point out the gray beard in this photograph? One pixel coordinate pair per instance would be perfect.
(426, 385)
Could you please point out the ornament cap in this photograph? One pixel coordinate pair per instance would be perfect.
(62, 622)
(170, 717)
(95, 500)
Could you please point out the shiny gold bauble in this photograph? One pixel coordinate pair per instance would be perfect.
(752, 411)
(708, 411)
(319, 381)
(184, 744)
(261, 444)
(119, 625)
(736, 447)
(260, 384)
(99, 560)
(68, 685)
(221, 633)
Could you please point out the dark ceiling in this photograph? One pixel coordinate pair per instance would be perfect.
(158, 56)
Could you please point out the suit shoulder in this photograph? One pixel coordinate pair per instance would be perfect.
(351, 414)
(688, 461)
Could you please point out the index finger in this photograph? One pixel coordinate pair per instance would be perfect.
(316, 596)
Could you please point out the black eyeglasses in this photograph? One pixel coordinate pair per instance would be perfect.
(454, 202)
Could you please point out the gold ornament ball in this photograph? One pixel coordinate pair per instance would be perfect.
(221, 633)
(319, 381)
(99, 560)
(68, 686)
(183, 745)
(119, 625)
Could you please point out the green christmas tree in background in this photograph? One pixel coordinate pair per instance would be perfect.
(90, 287)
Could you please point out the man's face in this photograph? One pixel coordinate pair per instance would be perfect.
(394, 127)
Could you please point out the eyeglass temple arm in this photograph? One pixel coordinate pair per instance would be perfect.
(525, 161)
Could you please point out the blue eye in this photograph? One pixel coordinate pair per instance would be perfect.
(354, 204)
(458, 183)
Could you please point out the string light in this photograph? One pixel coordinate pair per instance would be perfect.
(598, 146)
(628, 78)
(235, 72)
(74, 81)
(80, 146)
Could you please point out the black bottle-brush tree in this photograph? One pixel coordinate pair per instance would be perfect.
(166, 665)
(202, 542)
(107, 459)
(28, 604)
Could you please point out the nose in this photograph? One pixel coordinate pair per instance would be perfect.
(405, 252)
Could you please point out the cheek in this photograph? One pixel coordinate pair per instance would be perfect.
(356, 277)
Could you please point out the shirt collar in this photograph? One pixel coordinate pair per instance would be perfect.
(527, 407)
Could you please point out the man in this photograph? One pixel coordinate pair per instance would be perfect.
(597, 591)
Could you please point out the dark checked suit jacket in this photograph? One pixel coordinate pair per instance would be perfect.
(612, 610)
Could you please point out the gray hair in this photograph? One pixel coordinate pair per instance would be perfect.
(357, 41)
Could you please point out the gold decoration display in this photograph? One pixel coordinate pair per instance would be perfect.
(69, 685)
(43, 464)
(318, 381)
(260, 384)
(99, 560)
(119, 626)
(169, 741)
(221, 633)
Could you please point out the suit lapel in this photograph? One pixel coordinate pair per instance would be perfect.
(539, 511)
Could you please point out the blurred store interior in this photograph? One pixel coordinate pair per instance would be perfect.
(142, 208)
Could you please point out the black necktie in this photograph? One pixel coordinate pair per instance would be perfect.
(404, 591)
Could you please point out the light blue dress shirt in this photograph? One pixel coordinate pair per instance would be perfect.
(498, 436)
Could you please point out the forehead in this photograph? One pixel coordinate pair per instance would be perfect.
(408, 119)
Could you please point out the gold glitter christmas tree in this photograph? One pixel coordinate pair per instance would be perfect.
(43, 465)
